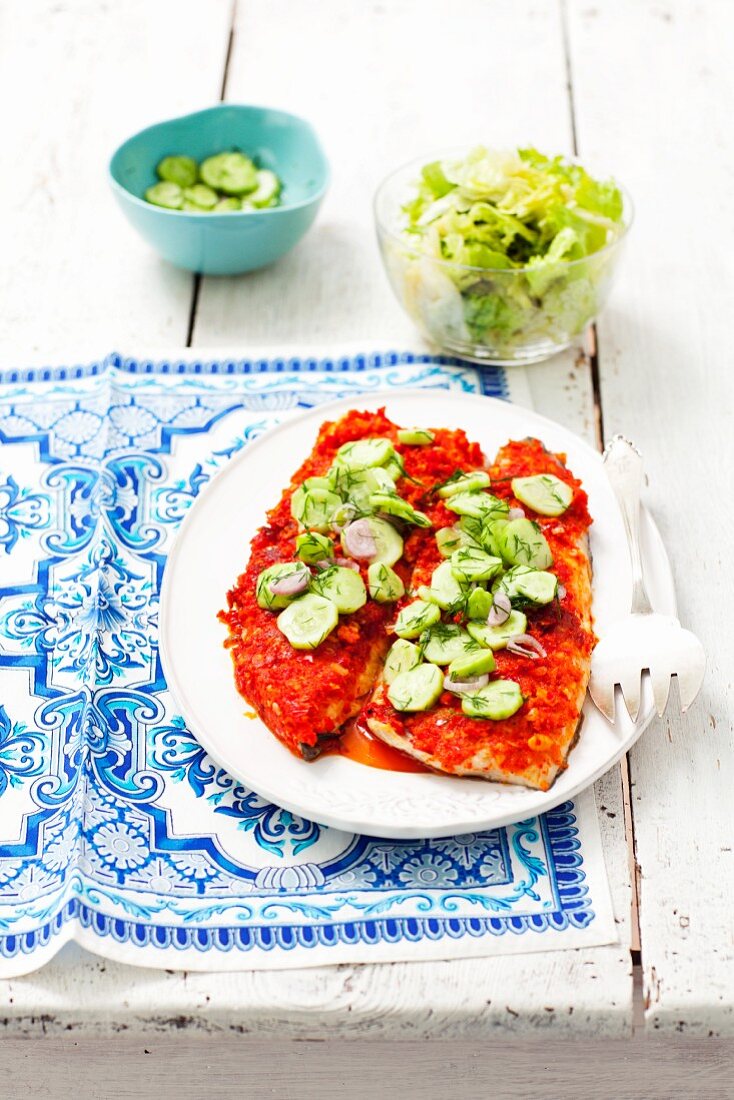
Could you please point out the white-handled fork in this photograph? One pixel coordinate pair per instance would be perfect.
(644, 640)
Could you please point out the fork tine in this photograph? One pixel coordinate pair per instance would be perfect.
(602, 692)
(660, 678)
(690, 678)
(630, 685)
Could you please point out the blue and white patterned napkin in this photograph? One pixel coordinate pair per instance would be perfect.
(116, 829)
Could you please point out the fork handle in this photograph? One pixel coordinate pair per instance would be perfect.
(623, 465)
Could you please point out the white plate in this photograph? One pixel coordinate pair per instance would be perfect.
(211, 551)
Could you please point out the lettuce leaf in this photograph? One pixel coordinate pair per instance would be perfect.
(519, 227)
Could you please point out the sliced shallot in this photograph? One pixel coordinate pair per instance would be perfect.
(467, 686)
(524, 645)
(561, 592)
(359, 540)
(516, 513)
(292, 585)
(347, 563)
(500, 610)
(346, 511)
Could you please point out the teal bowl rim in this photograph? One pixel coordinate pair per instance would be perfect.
(231, 215)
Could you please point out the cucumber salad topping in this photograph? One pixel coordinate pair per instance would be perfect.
(356, 507)
(496, 568)
(221, 184)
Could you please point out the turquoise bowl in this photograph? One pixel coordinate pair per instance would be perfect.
(224, 244)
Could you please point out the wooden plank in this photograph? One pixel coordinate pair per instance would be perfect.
(507, 1069)
(76, 80)
(382, 83)
(654, 91)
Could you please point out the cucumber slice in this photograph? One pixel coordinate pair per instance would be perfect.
(357, 485)
(364, 453)
(268, 599)
(469, 565)
(267, 189)
(308, 621)
(228, 206)
(464, 483)
(393, 505)
(183, 171)
(379, 480)
(417, 689)
(473, 529)
(539, 587)
(343, 587)
(318, 483)
(447, 642)
(481, 505)
(521, 542)
(403, 655)
(314, 508)
(544, 493)
(445, 590)
(449, 539)
(394, 467)
(535, 585)
(497, 700)
(490, 538)
(201, 196)
(508, 581)
(480, 532)
(415, 437)
(497, 637)
(416, 617)
(312, 547)
(387, 540)
(232, 173)
(168, 195)
(478, 604)
(473, 662)
(384, 583)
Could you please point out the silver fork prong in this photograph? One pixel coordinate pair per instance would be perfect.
(660, 678)
(630, 685)
(602, 692)
(690, 678)
(644, 640)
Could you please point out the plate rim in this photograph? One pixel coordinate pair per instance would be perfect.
(320, 413)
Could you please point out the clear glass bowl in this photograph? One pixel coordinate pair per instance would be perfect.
(523, 315)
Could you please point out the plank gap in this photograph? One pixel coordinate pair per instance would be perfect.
(593, 357)
(569, 74)
(196, 289)
(228, 54)
(192, 312)
(629, 827)
(592, 354)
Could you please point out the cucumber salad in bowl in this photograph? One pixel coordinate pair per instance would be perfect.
(502, 257)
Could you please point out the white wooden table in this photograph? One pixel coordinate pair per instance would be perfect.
(644, 88)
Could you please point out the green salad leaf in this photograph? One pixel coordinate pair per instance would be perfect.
(514, 224)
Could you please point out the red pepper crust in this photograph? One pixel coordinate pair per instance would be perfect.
(305, 697)
(532, 746)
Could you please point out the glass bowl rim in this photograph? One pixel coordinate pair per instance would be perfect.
(420, 162)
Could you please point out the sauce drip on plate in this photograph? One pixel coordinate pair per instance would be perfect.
(357, 743)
